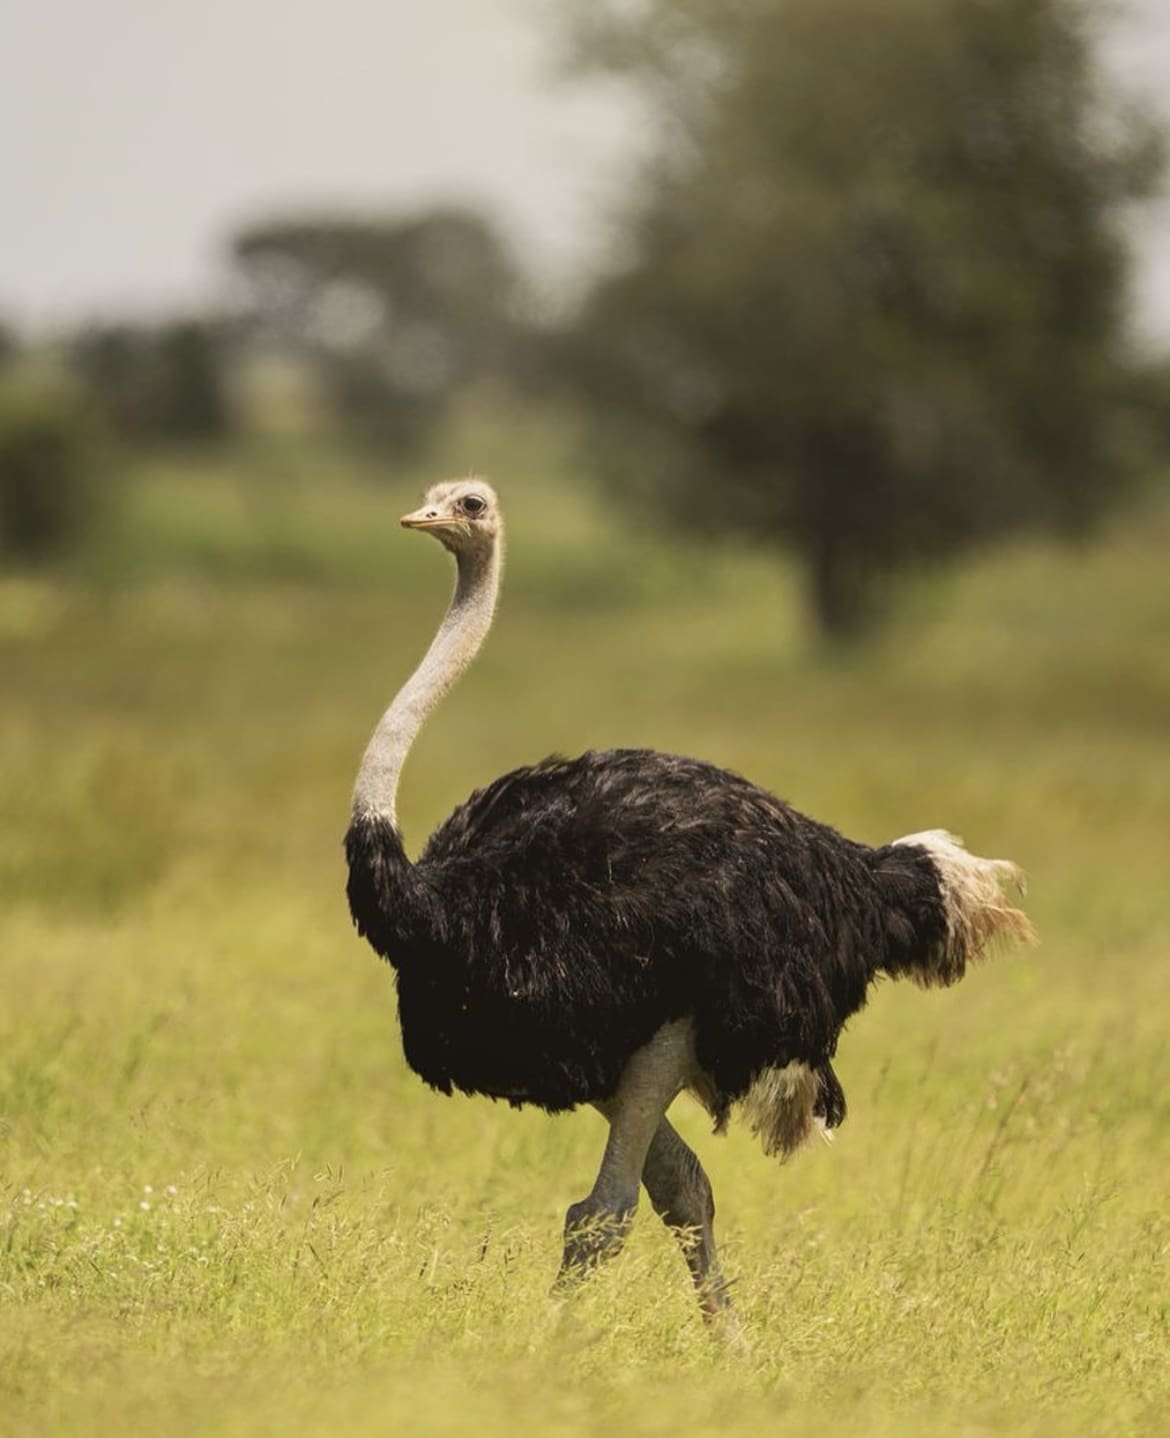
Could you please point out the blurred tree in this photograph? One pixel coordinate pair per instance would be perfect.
(158, 382)
(872, 293)
(49, 447)
(1149, 397)
(192, 395)
(397, 314)
(9, 345)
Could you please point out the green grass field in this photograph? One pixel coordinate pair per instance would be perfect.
(229, 1209)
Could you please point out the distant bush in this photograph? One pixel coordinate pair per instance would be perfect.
(49, 448)
(159, 382)
(9, 345)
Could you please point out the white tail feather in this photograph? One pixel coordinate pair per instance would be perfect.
(977, 913)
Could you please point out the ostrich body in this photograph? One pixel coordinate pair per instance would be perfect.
(615, 928)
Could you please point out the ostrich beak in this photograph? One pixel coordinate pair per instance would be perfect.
(424, 519)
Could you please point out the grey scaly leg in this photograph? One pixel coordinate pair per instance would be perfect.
(596, 1228)
(681, 1194)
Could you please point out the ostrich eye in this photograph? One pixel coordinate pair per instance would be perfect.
(472, 504)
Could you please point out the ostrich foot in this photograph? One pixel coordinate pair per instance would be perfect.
(594, 1231)
(724, 1327)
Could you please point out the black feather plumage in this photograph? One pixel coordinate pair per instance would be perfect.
(568, 910)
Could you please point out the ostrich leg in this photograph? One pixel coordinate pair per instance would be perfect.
(596, 1228)
(681, 1194)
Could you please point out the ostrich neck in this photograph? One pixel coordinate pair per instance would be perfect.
(462, 632)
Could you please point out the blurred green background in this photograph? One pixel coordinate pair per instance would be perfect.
(845, 469)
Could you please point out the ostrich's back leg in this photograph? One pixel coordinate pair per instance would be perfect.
(596, 1227)
(681, 1194)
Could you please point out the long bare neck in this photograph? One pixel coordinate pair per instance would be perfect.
(463, 630)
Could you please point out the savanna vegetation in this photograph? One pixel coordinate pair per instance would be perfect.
(868, 296)
(227, 1208)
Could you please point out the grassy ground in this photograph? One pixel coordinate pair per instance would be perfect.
(227, 1206)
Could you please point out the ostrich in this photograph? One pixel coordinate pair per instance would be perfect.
(619, 927)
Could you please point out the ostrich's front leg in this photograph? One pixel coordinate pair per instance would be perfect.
(596, 1227)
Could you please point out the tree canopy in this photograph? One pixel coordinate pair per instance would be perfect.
(871, 297)
(396, 312)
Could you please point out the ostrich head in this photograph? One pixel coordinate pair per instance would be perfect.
(462, 514)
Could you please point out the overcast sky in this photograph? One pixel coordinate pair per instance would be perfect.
(136, 134)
